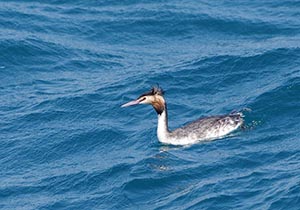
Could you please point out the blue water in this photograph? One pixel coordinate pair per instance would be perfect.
(67, 66)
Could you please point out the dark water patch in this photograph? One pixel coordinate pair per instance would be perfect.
(19, 190)
(216, 64)
(285, 4)
(22, 52)
(279, 102)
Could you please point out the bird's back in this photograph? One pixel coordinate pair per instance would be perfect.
(207, 128)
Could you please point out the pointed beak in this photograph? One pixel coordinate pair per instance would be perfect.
(131, 103)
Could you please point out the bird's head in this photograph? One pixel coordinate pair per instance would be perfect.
(153, 97)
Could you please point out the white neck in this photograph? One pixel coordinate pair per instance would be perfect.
(162, 127)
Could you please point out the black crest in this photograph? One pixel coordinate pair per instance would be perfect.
(155, 90)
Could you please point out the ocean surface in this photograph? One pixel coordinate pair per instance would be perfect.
(67, 66)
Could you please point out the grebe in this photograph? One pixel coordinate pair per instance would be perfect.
(207, 128)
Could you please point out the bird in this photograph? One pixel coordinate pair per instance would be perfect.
(202, 129)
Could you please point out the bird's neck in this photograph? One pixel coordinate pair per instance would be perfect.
(162, 125)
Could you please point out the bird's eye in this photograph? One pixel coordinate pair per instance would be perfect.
(143, 99)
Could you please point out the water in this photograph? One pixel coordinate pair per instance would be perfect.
(67, 66)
